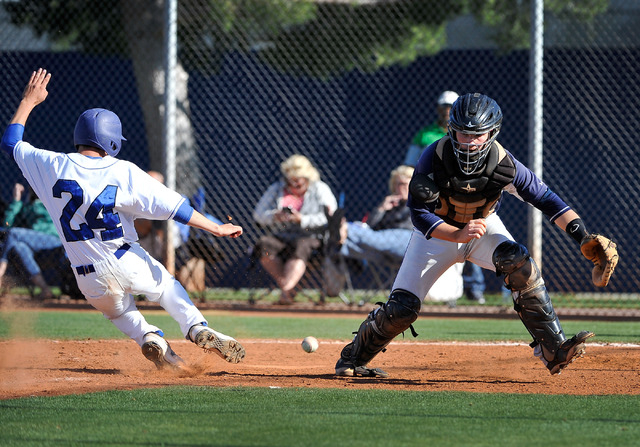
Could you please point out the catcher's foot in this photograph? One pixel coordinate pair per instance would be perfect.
(569, 351)
(344, 368)
(211, 341)
(158, 350)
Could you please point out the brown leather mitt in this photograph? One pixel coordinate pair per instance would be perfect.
(604, 255)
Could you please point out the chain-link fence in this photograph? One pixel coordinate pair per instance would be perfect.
(347, 84)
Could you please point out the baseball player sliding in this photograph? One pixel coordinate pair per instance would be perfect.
(93, 199)
(455, 191)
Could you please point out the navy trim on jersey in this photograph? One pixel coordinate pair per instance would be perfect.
(528, 186)
(184, 213)
(11, 136)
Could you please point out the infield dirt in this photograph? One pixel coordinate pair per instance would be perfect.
(50, 367)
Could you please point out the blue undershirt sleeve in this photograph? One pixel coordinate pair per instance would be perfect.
(10, 138)
(184, 213)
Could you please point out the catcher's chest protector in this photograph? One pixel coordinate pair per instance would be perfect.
(463, 197)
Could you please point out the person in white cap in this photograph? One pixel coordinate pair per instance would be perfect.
(434, 131)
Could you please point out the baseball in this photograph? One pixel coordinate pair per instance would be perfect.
(310, 344)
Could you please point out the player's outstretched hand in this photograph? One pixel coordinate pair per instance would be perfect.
(34, 93)
(36, 90)
(229, 230)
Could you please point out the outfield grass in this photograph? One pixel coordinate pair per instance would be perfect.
(70, 325)
(205, 416)
(198, 416)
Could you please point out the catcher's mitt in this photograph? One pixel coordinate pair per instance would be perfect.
(604, 255)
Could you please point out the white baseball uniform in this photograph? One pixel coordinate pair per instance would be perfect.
(93, 202)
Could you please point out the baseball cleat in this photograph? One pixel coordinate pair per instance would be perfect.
(211, 341)
(569, 351)
(158, 350)
(346, 369)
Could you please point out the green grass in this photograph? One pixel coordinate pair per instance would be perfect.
(199, 416)
(560, 300)
(64, 325)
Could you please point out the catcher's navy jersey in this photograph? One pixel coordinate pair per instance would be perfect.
(93, 200)
(526, 186)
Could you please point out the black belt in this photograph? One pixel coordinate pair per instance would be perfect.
(89, 268)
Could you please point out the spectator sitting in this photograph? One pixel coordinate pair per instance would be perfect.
(386, 232)
(384, 237)
(29, 229)
(293, 211)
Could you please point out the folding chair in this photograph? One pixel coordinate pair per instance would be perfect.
(382, 273)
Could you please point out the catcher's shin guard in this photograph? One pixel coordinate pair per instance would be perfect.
(530, 298)
(376, 332)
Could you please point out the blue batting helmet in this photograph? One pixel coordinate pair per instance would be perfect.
(99, 128)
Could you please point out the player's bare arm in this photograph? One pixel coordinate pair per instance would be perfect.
(34, 93)
(475, 229)
(200, 221)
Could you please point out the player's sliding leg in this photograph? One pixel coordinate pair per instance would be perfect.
(534, 307)
(376, 332)
(212, 341)
(175, 300)
(123, 313)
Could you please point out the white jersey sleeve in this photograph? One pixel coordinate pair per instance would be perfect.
(94, 200)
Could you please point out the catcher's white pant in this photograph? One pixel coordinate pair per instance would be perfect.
(111, 289)
(426, 260)
(449, 286)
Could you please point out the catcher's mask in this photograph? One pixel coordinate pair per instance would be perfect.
(99, 128)
(473, 114)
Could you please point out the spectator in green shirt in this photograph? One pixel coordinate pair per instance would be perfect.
(29, 229)
(432, 132)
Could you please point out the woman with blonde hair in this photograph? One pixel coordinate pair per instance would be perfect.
(292, 209)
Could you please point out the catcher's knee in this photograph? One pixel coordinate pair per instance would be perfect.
(521, 274)
(399, 312)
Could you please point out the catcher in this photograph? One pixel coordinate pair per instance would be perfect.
(455, 193)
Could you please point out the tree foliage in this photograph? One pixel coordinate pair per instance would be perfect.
(510, 21)
(94, 27)
(318, 38)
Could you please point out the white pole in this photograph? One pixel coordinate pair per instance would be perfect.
(535, 122)
(169, 131)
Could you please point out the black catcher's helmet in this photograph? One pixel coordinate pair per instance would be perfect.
(475, 114)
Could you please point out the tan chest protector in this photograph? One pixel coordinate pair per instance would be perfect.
(466, 197)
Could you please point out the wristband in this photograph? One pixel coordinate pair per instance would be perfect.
(577, 230)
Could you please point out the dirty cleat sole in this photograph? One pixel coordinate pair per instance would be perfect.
(226, 347)
(154, 352)
(574, 350)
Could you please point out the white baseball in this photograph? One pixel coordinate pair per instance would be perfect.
(310, 344)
